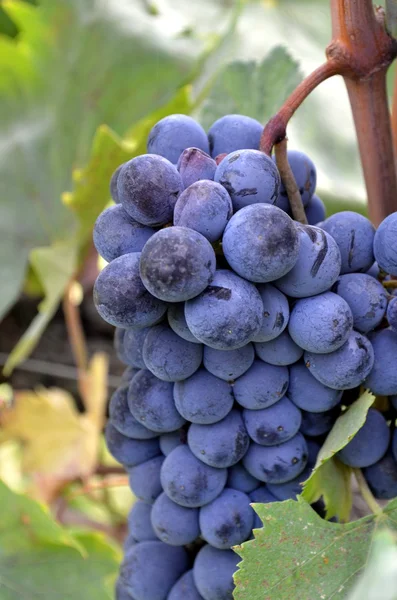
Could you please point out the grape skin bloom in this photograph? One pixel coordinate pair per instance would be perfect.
(261, 243)
(250, 177)
(170, 258)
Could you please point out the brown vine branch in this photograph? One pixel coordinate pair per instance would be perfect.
(361, 51)
(77, 339)
(275, 130)
(368, 99)
(88, 488)
(394, 116)
(288, 179)
(361, 41)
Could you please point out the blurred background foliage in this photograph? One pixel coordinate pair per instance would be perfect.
(81, 84)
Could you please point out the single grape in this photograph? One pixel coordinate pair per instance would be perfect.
(113, 184)
(309, 394)
(275, 313)
(120, 297)
(234, 132)
(128, 374)
(280, 351)
(321, 324)
(374, 270)
(129, 541)
(261, 386)
(283, 203)
(273, 425)
(116, 233)
(152, 403)
(177, 264)
(382, 477)
(314, 424)
(394, 444)
(228, 364)
(174, 524)
(313, 450)
(354, 235)
(169, 441)
(121, 592)
(150, 569)
(250, 177)
(144, 479)
(122, 419)
(118, 339)
(365, 296)
(277, 464)
(177, 322)
(315, 210)
(168, 356)
(369, 444)
(148, 187)
(228, 314)
(139, 522)
(203, 398)
(173, 134)
(185, 589)
(206, 207)
(305, 175)
(133, 346)
(262, 496)
(227, 520)
(221, 444)
(213, 573)
(318, 265)
(385, 245)
(188, 481)
(290, 489)
(347, 367)
(382, 380)
(127, 451)
(195, 165)
(261, 243)
(238, 478)
(392, 314)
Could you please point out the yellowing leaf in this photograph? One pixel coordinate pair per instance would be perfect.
(333, 483)
(60, 444)
(330, 478)
(96, 388)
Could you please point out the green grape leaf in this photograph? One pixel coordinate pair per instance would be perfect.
(54, 266)
(254, 89)
(391, 17)
(38, 558)
(120, 65)
(332, 481)
(379, 580)
(297, 554)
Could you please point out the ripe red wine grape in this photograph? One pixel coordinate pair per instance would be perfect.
(245, 335)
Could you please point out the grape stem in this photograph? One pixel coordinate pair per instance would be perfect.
(276, 128)
(366, 493)
(390, 284)
(288, 179)
(77, 340)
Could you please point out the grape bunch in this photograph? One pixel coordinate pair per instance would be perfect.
(245, 334)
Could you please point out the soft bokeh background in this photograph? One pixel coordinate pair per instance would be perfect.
(81, 84)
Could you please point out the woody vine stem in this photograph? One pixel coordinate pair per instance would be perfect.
(361, 51)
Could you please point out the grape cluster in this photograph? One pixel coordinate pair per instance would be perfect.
(244, 334)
